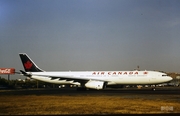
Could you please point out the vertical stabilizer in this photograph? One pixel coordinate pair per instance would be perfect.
(28, 64)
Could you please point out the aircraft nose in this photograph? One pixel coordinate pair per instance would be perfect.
(169, 78)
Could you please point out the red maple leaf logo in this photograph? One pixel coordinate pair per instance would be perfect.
(28, 65)
(145, 72)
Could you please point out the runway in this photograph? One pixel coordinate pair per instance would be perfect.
(108, 91)
(163, 93)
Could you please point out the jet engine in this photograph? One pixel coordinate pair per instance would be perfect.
(94, 84)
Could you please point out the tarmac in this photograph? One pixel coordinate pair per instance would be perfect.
(108, 91)
(163, 93)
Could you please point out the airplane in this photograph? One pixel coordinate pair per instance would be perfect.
(92, 79)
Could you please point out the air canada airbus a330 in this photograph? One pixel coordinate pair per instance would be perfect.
(92, 79)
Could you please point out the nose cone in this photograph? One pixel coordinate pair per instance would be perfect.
(168, 78)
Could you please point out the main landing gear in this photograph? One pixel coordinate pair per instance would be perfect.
(153, 89)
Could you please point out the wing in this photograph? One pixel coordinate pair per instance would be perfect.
(73, 79)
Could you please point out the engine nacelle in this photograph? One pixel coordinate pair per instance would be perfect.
(93, 84)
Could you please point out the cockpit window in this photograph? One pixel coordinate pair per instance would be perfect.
(164, 75)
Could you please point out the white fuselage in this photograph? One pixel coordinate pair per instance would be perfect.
(111, 77)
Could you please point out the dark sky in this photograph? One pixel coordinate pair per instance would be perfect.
(86, 35)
